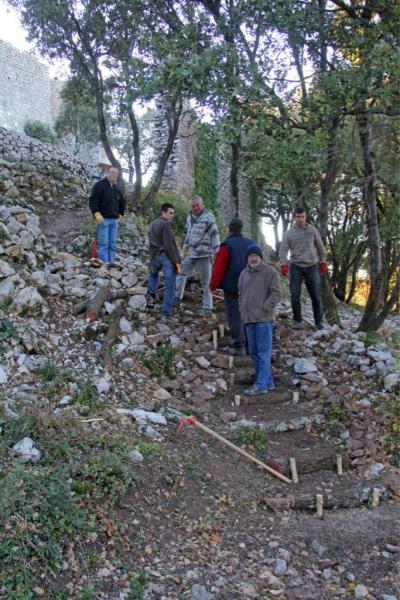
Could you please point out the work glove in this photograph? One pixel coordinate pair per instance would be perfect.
(322, 267)
(284, 270)
(99, 218)
(178, 268)
(120, 218)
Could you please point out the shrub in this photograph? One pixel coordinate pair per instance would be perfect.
(40, 131)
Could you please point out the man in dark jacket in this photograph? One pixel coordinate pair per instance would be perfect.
(259, 294)
(108, 208)
(229, 263)
(164, 254)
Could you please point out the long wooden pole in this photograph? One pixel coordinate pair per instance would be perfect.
(216, 435)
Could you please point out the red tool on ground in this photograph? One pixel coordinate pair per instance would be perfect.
(193, 421)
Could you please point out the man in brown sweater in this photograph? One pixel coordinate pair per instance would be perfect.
(307, 261)
(164, 254)
(259, 294)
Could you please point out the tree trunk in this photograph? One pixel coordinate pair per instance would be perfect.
(173, 126)
(97, 84)
(376, 293)
(137, 190)
(235, 174)
(328, 299)
(111, 336)
(96, 304)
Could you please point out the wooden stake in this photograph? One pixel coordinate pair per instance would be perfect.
(293, 470)
(230, 362)
(339, 464)
(231, 379)
(307, 426)
(237, 400)
(221, 330)
(376, 492)
(320, 505)
(215, 339)
(295, 396)
(237, 449)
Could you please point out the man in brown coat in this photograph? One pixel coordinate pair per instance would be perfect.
(259, 294)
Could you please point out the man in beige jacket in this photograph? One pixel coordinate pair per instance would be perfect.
(259, 294)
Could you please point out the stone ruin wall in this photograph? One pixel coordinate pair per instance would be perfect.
(27, 92)
(40, 173)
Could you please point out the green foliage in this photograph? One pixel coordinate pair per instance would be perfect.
(87, 397)
(40, 131)
(78, 116)
(37, 513)
(160, 362)
(371, 338)
(7, 331)
(182, 208)
(257, 438)
(206, 165)
(149, 448)
(54, 378)
(336, 412)
(136, 586)
(105, 475)
(6, 303)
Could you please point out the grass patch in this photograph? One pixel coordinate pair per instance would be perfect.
(54, 378)
(48, 509)
(160, 362)
(256, 438)
(7, 331)
(149, 448)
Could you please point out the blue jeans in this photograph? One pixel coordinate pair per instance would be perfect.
(313, 284)
(236, 330)
(107, 239)
(259, 339)
(203, 267)
(161, 261)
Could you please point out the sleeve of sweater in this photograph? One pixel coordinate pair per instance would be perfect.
(94, 198)
(275, 294)
(169, 245)
(214, 236)
(219, 268)
(320, 247)
(283, 250)
(185, 244)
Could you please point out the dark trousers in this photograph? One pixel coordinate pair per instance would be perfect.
(313, 284)
(236, 329)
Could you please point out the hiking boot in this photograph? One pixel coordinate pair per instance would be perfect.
(205, 312)
(320, 326)
(237, 352)
(297, 324)
(255, 391)
(150, 300)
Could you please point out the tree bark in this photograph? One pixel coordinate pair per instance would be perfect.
(376, 296)
(96, 303)
(111, 337)
(137, 190)
(173, 126)
(328, 299)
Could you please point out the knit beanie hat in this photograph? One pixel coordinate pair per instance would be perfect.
(254, 249)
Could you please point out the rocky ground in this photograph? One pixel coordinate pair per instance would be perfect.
(103, 496)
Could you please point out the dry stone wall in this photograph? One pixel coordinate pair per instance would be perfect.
(40, 173)
(27, 92)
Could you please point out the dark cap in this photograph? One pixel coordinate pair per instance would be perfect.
(254, 249)
(236, 225)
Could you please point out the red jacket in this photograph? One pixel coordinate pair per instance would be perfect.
(220, 265)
